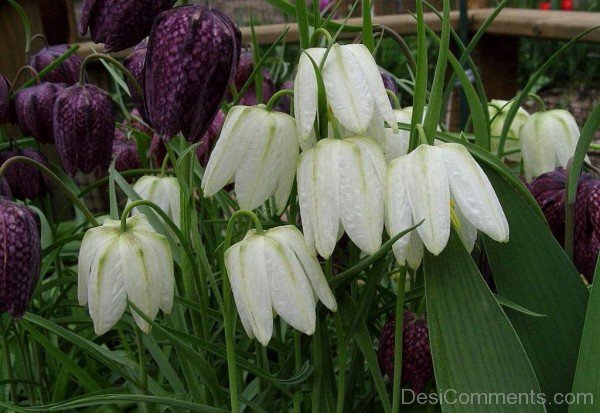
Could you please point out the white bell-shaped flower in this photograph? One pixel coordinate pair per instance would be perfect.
(116, 266)
(427, 185)
(275, 271)
(163, 191)
(498, 109)
(354, 88)
(341, 188)
(258, 149)
(548, 140)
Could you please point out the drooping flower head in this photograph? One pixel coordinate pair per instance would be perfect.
(341, 188)
(126, 152)
(116, 266)
(498, 110)
(258, 150)
(275, 271)
(417, 364)
(34, 110)
(20, 256)
(548, 140)
(430, 184)
(67, 72)
(4, 101)
(354, 88)
(163, 191)
(84, 128)
(549, 191)
(135, 63)
(24, 180)
(191, 59)
(120, 24)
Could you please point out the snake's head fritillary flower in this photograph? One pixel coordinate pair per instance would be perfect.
(549, 191)
(4, 99)
(417, 364)
(24, 180)
(116, 266)
(120, 24)
(275, 271)
(498, 110)
(135, 63)
(126, 152)
(163, 191)
(84, 128)
(192, 56)
(67, 72)
(20, 255)
(341, 189)
(257, 149)
(428, 185)
(353, 85)
(34, 109)
(244, 68)
(548, 140)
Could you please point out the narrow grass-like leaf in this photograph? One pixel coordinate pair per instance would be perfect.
(474, 347)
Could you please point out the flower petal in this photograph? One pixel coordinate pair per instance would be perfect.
(106, 291)
(306, 95)
(291, 295)
(348, 92)
(473, 192)
(306, 196)
(363, 170)
(94, 243)
(288, 145)
(291, 238)
(429, 195)
(371, 72)
(239, 130)
(250, 286)
(256, 177)
(233, 263)
(537, 148)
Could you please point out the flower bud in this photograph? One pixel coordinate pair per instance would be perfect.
(20, 255)
(192, 56)
(120, 24)
(135, 63)
(4, 96)
(417, 364)
(84, 128)
(34, 108)
(24, 181)
(67, 72)
(116, 266)
(548, 140)
(164, 192)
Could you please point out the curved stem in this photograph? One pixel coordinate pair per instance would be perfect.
(285, 92)
(410, 60)
(539, 101)
(234, 217)
(321, 32)
(26, 23)
(31, 69)
(100, 56)
(56, 181)
(163, 167)
(39, 36)
(421, 132)
(394, 98)
(55, 63)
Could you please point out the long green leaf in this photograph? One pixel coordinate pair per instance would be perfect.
(533, 270)
(474, 347)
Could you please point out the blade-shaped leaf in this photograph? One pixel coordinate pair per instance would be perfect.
(474, 347)
(532, 270)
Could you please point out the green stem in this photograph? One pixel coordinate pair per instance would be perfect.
(539, 101)
(31, 70)
(9, 367)
(55, 180)
(298, 365)
(321, 32)
(230, 225)
(421, 133)
(342, 359)
(26, 24)
(55, 63)
(368, 37)
(303, 27)
(100, 56)
(394, 98)
(398, 341)
(142, 361)
(420, 91)
(163, 167)
(277, 96)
